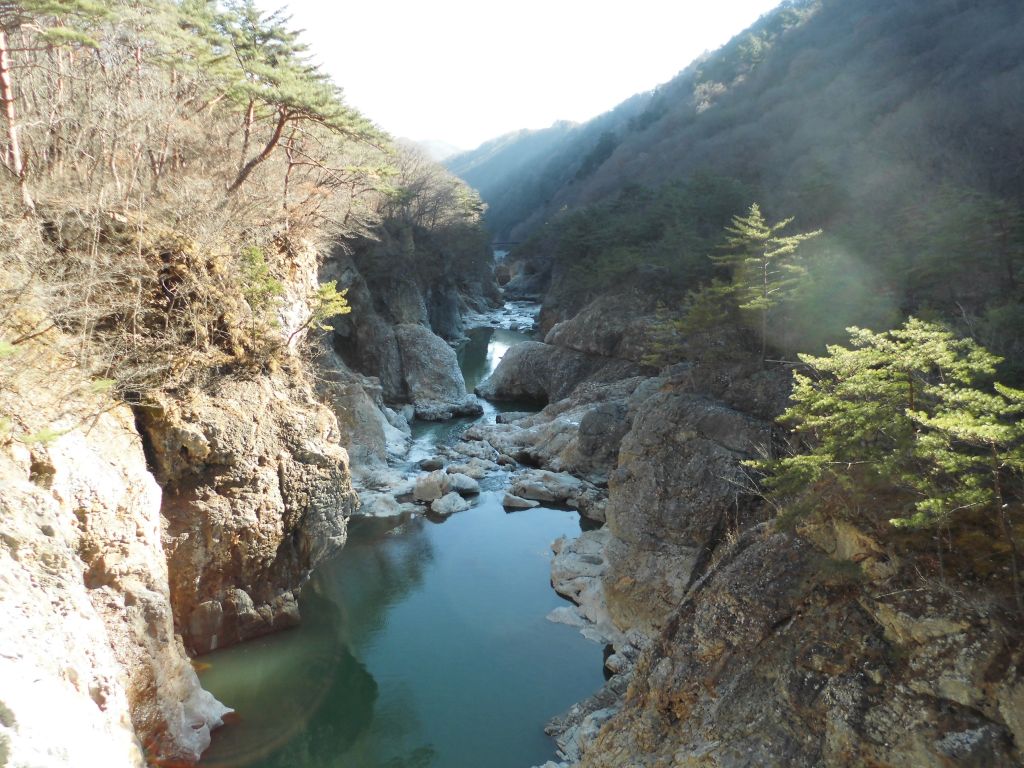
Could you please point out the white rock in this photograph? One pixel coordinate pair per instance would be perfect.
(430, 486)
(479, 449)
(478, 469)
(568, 615)
(516, 502)
(576, 573)
(542, 485)
(449, 504)
(463, 484)
(381, 505)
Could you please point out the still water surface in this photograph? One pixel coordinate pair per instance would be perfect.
(421, 645)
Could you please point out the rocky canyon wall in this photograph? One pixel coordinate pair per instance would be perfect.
(736, 641)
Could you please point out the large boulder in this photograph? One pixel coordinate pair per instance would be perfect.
(541, 485)
(257, 492)
(510, 501)
(543, 372)
(433, 380)
(449, 504)
(430, 486)
(679, 486)
(463, 484)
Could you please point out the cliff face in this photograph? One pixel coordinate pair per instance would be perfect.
(109, 575)
(737, 643)
(397, 330)
(256, 492)
(782, 657)
(93, 670)
(676, 493)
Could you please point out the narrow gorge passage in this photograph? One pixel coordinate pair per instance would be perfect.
(424, 644)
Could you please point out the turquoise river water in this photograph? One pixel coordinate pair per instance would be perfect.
(423, 643)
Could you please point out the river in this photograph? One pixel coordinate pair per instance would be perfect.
(422, 644)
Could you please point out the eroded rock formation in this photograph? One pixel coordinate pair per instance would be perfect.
(738, 643)
(256, 492)
(92, 669)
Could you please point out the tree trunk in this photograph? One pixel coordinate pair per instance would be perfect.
(246, 133)
(14, 159)
(1004, 523)
(764, 314)
(249, 167)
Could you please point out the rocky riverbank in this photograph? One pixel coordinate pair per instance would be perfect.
(735, 641)
(135, 538)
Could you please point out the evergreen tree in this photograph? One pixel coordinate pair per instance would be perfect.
(970, 445)
(909, 411)
(271, 77)
(326, 302)
(763, 264)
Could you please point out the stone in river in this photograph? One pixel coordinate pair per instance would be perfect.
(542, 485)
(512, 416)
(475, 468)
(449, 504)
(515, 502)
(429, 465)
(431, 486)
(462, 484)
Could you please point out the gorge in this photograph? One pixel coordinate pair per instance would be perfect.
(720, 464)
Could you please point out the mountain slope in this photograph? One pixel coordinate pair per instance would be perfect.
(517, 172)
(891, 126)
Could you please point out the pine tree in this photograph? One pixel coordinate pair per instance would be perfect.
(970, 444)
(909, 410)
(272, 80)
(763, 264)
(325, 303)
(861, 406)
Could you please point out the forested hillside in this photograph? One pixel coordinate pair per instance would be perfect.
(783, 322)
(890, 126)
(178, 177)
(168, 165)
(516, 172)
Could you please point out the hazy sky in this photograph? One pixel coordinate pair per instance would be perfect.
(464, 71)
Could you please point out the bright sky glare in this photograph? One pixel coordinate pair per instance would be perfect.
(464, 71)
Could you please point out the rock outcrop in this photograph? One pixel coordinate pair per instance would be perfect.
(396, 334)
(256, 492)
(610, 326)
(93, 672)
(370, 431)
(736, 644)
(432, 376)
(780, 658)
(579, 434)
(678, 489)
(546, 373)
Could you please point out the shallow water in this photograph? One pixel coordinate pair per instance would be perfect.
(424, 644)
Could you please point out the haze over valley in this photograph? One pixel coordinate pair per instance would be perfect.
(553, 386)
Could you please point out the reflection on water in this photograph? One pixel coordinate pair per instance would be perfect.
(304, 693)
(479, 356)
(420, 646)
